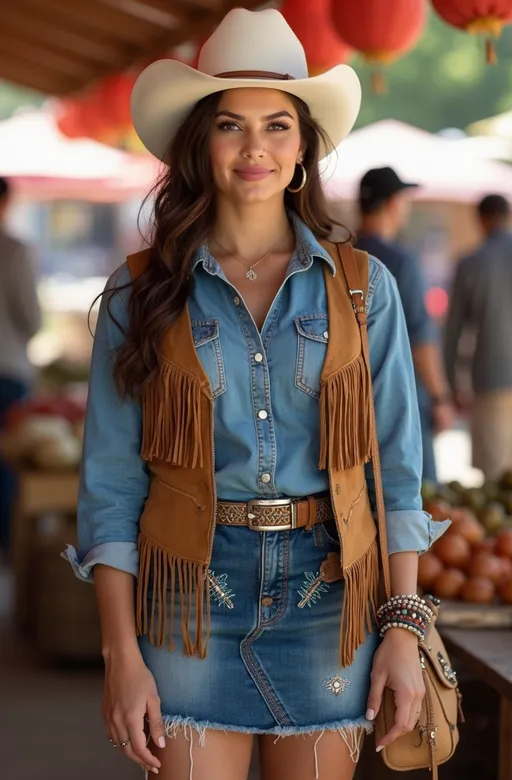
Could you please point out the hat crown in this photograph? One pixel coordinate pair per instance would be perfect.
(253, 41)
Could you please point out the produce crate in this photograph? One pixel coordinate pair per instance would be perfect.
(458, 614)
(40, 494)
(65, 612)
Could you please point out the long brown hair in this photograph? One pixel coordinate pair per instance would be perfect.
(183, 215)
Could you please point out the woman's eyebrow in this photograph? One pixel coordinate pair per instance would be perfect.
(241, 118)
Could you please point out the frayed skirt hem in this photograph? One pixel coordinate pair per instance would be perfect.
(173, 723)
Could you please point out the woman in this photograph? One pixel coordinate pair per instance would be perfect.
(226, 437)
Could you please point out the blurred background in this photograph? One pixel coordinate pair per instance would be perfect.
(437, 82)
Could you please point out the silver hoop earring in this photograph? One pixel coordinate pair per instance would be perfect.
(303, 182)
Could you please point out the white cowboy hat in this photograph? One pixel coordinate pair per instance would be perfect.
(248, 49)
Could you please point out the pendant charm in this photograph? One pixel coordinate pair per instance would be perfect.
(251, 275)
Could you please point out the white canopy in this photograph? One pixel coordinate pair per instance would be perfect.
(446, 169)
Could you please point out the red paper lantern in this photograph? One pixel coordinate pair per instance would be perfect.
(69, 119)
(113, 96)
(477, 17)
(380, 30)
(310, 21)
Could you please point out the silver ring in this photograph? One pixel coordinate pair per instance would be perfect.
(119, 744)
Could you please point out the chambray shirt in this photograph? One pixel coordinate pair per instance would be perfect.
(266, 387)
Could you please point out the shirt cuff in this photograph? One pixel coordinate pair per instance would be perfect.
(118, 555)
(413, 531)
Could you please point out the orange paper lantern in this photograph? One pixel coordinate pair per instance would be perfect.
(310, 21)
(477, 17)
(380, 30)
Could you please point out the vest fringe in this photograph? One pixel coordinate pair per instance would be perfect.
(160, 566)
(359, 603)
(172, 418)
(345, 423)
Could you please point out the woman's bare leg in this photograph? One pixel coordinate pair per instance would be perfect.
(218, 755)
(327, 755)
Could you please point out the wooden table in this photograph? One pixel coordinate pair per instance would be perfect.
(488, 655)
(39, 492)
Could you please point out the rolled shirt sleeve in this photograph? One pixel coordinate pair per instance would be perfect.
(114, 479)
(409, 528)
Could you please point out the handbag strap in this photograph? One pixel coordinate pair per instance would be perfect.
(349, 264)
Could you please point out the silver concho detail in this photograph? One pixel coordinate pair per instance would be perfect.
(336, 684)
(448, 672)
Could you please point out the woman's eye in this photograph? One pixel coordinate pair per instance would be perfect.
(278, 126)
(228, 126)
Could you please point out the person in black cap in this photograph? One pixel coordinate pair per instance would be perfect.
(384, 203)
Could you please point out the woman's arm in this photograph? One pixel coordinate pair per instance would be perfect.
(112, 492)
(409, 530)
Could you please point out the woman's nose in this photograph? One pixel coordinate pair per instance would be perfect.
(253, 146)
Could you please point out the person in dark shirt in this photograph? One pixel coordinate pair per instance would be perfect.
(481, 305)
(384, 203)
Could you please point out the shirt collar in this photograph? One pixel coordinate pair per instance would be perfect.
(307, 250)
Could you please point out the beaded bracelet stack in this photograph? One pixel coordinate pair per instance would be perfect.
(408, 611)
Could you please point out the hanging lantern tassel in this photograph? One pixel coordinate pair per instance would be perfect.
(490, 26)
(378, 61)
(379, 83)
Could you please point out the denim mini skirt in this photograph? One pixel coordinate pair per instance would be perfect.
(273, 657)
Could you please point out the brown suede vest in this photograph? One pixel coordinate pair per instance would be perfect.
(177, 525)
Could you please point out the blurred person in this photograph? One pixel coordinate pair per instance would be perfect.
(384, 204)
(481, 302)
(228, 389)
(20, 320)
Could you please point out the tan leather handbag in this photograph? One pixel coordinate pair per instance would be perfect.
(435, 737)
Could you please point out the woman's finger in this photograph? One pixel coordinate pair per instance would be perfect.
(138, 746)
(402, 716)
(156, 724)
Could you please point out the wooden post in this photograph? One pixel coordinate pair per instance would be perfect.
(505, 765)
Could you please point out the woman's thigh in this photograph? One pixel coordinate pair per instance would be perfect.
(215, 755)
(327, 755)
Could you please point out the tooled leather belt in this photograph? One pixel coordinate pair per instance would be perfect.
(283, 514)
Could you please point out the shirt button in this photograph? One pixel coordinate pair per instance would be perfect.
(262, 414)
(265, 478)
(267, 601)
(326, 334)
(258, 357)
(236, 300)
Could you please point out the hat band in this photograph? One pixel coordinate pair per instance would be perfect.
(254, 74)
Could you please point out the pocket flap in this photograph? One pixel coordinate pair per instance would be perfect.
(313, 326)
(204, 331)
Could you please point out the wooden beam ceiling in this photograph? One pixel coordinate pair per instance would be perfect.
(62, 46)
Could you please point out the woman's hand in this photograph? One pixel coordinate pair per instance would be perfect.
(130, 694)
(396, 665)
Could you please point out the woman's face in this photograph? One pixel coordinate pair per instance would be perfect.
(255, 144)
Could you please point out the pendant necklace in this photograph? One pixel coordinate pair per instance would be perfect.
(251, 273)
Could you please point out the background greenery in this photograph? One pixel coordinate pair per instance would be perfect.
(444, 82)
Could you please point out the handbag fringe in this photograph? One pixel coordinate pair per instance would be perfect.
(345, 421)
(359, 603)
(160, 566)
(171, 418)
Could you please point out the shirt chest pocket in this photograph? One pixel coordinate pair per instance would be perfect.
(312, 338)
(209, 352)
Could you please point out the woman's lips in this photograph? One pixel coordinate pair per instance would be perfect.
(252, 173)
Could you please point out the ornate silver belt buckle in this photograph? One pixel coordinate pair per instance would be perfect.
(252, 518)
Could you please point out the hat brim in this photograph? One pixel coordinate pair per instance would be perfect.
(167, 90)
